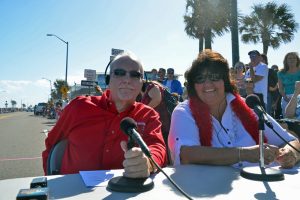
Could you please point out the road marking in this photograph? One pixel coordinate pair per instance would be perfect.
(14, 159)
(9, 115)
(3, 117)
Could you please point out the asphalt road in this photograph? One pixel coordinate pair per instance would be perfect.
(21, 144)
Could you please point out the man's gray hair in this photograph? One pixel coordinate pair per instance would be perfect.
(128, 55)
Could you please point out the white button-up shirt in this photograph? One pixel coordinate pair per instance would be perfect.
(184, 130)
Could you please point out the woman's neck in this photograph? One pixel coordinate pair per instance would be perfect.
(218, 111)
(293, 69)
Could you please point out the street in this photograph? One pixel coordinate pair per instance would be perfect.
(21, 145)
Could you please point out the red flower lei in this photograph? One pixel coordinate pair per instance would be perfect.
(201, 114)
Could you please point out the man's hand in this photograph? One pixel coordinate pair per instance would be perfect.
(136, 163)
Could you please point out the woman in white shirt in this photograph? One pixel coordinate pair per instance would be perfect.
(215, 126)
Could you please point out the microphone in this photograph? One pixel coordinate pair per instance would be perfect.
(128, 126)
(124, 184)
(254, 103)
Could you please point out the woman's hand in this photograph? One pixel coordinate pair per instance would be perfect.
(252, 154)
(286, 158)
(136, 164)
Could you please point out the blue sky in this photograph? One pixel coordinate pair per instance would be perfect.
(152, 29)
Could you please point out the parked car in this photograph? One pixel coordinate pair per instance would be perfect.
(40, 108)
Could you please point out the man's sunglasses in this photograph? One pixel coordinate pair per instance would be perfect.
(122, 73)
(210, 77)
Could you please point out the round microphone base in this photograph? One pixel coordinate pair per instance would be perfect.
(262, 174)
(124, 184)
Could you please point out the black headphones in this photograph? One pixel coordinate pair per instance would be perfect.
(145, 83)
(107, 77)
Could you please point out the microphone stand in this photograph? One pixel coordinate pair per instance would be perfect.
(261, 173)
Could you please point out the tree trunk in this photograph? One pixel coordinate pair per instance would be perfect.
(265, 49)
(207, 37)
(200, 44)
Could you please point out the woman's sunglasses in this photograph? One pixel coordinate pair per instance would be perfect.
(211, 77)
(123, 72)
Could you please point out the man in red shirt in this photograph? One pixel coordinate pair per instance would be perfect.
(92, 126)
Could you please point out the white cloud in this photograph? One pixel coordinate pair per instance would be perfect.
(28, 92)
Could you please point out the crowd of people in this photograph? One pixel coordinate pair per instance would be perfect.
(211, 124)
(274, 87)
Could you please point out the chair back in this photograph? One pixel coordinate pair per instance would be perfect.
(55, 158)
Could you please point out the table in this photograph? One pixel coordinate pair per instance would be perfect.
(199, 181)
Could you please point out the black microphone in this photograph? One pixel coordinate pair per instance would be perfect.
(254, 103)
(124, 184)
(128, 126)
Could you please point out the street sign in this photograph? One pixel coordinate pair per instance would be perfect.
(88, 83)
(115, 52)
(90, 74)
(64, 89)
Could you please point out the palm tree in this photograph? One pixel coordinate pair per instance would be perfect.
(13, 103)
(270, 24)
(204, 19)
(57, 93)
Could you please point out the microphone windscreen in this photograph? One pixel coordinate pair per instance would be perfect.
(252, 100)
(126, 124)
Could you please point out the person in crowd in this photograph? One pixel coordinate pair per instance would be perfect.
(153, 96)
(249, 86)
(153, 74)
(264, 58)
(240, 78)
(216, 127)
(275, 68)
(58, 110)
(272, 85)
(287, 78)
(293, 107)
(258, 73)
(98, 90)
(184, 94)
(274, 94)
(171, 83)
(91, 126)
(161, 75)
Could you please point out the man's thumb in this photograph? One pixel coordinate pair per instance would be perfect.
(123, 145)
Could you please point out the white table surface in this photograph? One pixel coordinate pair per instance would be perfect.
(199, 181)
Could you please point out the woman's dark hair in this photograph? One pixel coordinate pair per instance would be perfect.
(213, 62)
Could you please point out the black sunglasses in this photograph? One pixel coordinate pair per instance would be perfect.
(123, 72)
(211, 77)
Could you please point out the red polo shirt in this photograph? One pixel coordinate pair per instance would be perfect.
(92, 127)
